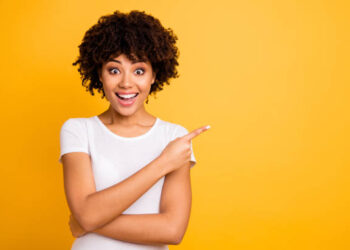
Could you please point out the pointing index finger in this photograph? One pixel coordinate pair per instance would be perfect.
(196, 132)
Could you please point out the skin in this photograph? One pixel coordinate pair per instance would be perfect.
(127, 76)
(166, 227)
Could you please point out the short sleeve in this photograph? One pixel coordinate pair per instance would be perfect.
(73, 137)
(181, 131)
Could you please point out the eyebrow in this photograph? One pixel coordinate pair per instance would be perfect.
(133, 61)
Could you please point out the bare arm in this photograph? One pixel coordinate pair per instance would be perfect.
(139, 228)
(167, 227)
(94, 209)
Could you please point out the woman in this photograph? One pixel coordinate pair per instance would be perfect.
(127, 172)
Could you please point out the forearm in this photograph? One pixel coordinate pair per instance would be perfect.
(103, 206)
(140, 228)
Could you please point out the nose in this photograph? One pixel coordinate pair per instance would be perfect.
(126, 81)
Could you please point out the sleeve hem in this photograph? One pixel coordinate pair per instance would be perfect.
(71, 150)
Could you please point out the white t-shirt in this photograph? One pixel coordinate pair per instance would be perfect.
(115, 158)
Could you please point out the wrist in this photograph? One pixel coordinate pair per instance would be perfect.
(161, 164)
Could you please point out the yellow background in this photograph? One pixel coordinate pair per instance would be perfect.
(270, 77)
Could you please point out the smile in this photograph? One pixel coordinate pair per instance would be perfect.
(127, 97)
(127, 100)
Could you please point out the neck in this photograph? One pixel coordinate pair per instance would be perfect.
(139, 117)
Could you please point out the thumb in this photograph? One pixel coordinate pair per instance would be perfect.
(196, 132)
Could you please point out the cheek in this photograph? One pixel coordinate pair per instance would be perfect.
(145, 83)
(107, 88)
(108, 82)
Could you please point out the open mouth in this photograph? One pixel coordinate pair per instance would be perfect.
(127, 97)
(127, 100)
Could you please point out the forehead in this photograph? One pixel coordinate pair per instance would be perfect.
(123, 57)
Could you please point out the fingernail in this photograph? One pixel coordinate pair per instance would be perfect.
(207, 127)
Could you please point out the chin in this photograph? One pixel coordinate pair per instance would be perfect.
(125, 111)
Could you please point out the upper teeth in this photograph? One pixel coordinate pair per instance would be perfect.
(128, 96)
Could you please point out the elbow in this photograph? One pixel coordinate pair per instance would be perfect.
(85, 215)
(88, 219)
(87, 226)
(176, 241)
(177, 238)
(177, 235)
(85, 222)
(176, 229)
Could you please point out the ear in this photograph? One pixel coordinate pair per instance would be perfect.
(153, 77)
(99, 74)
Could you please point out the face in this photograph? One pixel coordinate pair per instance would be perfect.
(127, 84)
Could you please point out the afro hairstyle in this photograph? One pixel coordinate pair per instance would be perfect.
(137, 35)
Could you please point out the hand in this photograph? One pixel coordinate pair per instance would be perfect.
(75, 228)
(178, 151)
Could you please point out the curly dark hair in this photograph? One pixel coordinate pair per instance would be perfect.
(137, 35)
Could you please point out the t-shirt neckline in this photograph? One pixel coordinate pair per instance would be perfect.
(126, 138)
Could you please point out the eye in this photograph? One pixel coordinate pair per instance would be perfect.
(113, 70)
(140, 71)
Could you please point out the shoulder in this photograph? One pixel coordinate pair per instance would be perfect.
(73, 136)
(172, 129)
(77, 123)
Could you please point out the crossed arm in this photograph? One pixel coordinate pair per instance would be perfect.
(100, 213)
(166, 227)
